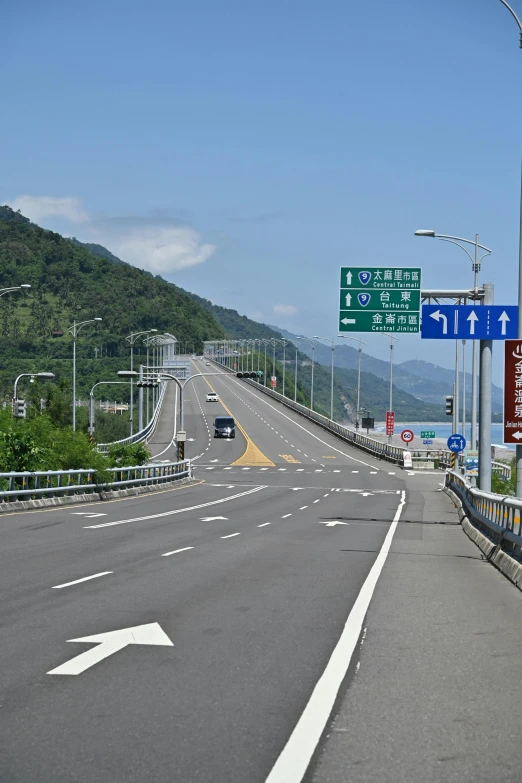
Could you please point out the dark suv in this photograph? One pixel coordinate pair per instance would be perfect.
(224, 427)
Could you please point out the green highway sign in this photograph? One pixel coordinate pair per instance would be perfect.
(380, 299)
(427, 434)
(381, 277)
(355, 321)
(396, 301)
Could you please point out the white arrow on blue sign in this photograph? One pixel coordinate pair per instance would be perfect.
(456, 442)
(469, 322)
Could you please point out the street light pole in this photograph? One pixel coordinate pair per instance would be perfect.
(332, 341)
(361, 343)
(42, 376)
(14, 288)
(390, 338)
(132, 339)
(74, 329)
(312, 342)
(475, 265)
(519, 446)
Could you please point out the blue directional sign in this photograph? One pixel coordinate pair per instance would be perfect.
(469, 322)
(456, 443)
(427, 442)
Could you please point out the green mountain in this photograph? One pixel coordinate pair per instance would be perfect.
(70, 283)
(73, 280)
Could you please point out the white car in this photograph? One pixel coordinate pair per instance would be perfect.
(212, 397)
(208, 364)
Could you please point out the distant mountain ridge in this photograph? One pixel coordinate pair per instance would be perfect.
(424, 380)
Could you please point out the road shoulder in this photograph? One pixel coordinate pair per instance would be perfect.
(436, 694)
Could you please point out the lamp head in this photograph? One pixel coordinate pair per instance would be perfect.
(425, 233)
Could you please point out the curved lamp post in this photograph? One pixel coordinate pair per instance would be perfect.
(359, 350)
(74, 329)
(132, 339)
(475, 265)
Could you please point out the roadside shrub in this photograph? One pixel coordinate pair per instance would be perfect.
(127, 455)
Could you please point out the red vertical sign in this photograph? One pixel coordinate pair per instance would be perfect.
(390, 422)
(274, 381)
(513, 391)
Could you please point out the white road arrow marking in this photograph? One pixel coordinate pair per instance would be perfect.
(472, 318)
(348, 321)
(438, 316)
(211, 519)
(349, 278)
(348, 300)
(504, 318)
(109, 643)
(517, 435)
(333, 523)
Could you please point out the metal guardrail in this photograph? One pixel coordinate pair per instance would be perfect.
(55, 483)
(143, 434)
(496, 516)
(442, 458)
(385, 451)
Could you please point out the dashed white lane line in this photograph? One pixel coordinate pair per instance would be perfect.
(264, 524)
(281, 469)
(227, 468)
(299, 470)
(325, 496)
(176, 551)
(355, 471)
(303, 508)
(317, 501)
(84, 579)
(232, 535)
(337, 471)
(318, 470)
(373, 472)
(263, 468)
(285, 516)
(391, 473)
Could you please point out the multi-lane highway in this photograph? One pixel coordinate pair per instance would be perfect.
(245, 593)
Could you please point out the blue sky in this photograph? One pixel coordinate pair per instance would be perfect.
(245, 150)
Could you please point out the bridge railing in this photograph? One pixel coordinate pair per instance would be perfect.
(146, 432)
(28, 485)
(496, 516)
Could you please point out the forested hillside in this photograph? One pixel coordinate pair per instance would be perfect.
(69, 282)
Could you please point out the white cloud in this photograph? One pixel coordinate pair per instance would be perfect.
(285, 310)
(160, 249)
(37, 208)
(160, 245)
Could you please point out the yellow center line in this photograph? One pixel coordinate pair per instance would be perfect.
(253, 455)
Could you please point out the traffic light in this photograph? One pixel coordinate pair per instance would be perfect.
(19, 409)
(449, 405)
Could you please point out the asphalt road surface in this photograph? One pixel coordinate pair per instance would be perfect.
(236, 590)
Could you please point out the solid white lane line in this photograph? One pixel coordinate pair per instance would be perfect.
(264, 524)
(85, 579)
(303, 508)
(295, 757)
(176, 511)
(231, 535)
(176, 551)
(285, 516)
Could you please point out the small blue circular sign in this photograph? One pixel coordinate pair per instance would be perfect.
(456, 443)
